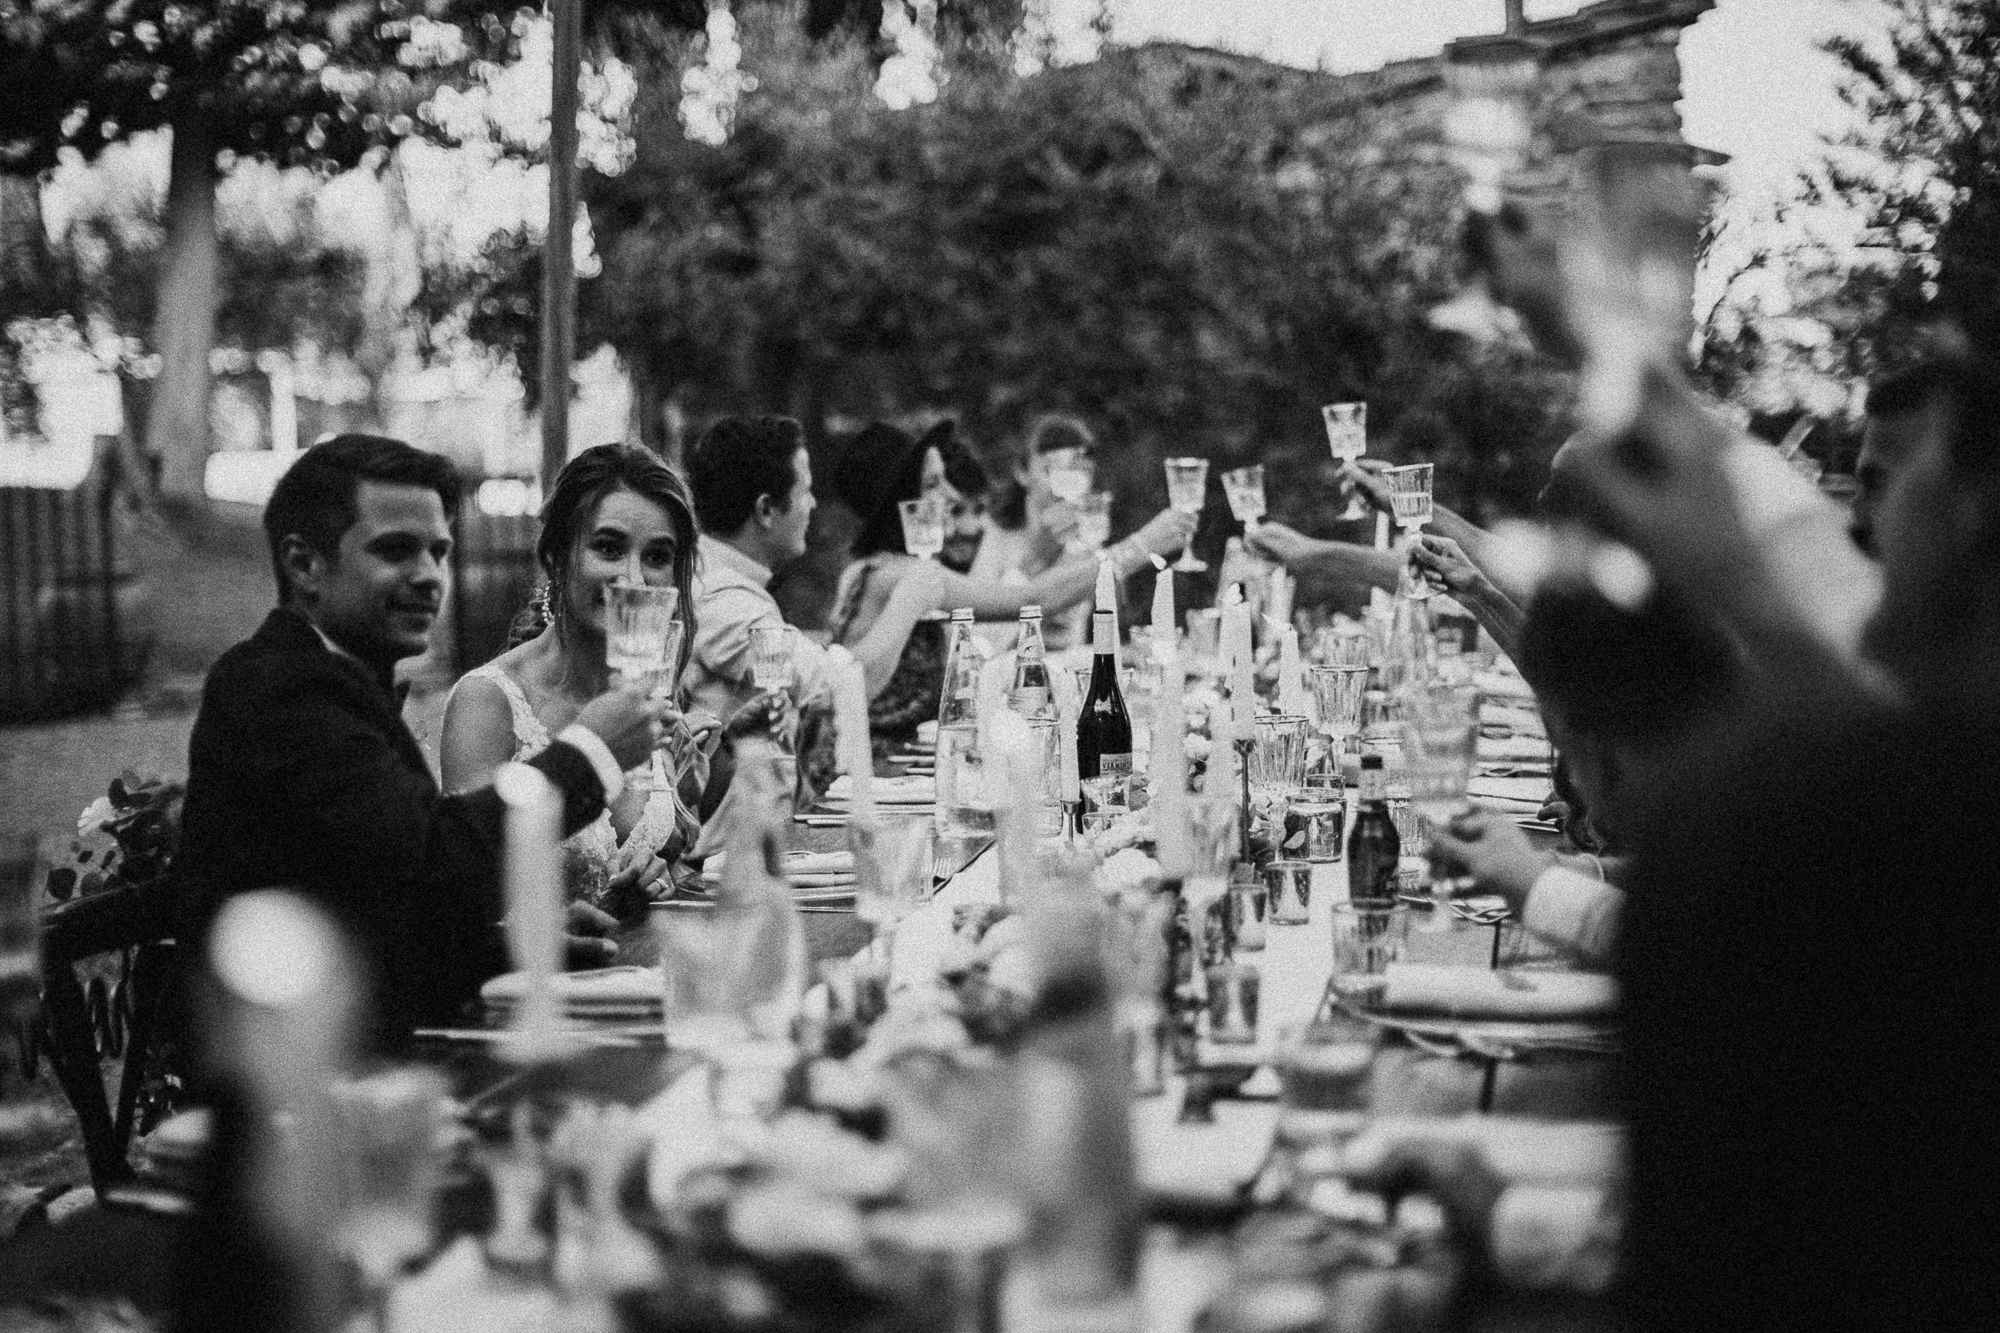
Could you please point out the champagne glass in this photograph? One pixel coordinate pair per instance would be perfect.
(1337, 693)
(1187, 489)
(772, 669)
(894, 859)
(642, 640)
(392, 1125)
(1410, 503)
(1069, 472)
(1347, 438)
(1093, 519)
(923, 526)
(1440, 747)
(1244, 489)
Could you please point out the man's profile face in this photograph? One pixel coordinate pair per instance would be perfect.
(788, 529)
(381, 591)
(1886, 441)
(1919, 525)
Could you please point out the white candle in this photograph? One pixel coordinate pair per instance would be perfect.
(1284, 592)
(1069, 711)
(1239, 658)
(1291, 674)
(1381, 531)
(1163, 607)
(850, 723)
(1107, 600)
(1167, 771)
(533, 880)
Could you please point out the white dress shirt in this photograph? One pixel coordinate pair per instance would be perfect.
(732, 596)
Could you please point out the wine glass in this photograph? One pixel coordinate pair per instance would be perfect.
(1410, 503)
(391, 1125)
(1187, 489)
(1440, 746)
(1069, 472)
(1278, 763)
(1093, 519)
(1244, 489)
(642, 641)
(1337, 692)
(1347, 438)
(894, 859)
(923, 526)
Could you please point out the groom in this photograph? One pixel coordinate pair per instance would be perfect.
(301, 772)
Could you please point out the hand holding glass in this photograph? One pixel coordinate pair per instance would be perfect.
(1347, 438)
(642, 642)
(1440, 747)
(1244, 489)
(1093, 519)
(1187, 491)
(923, 526)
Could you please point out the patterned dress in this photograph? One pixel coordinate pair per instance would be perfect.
(590, 855)
(911, 696)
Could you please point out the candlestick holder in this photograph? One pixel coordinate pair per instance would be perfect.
(1244, 746)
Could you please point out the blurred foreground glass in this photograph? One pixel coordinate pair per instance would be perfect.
(1187, 491)
(1347, 439)
(1204, 640)
(1325, 1071)
(392, 1126)
(1440, 748)
(894, 863)
(1093, 519)
(1338, 693)
(1244, 489)
(1366, 939)
(1410, 505)
(923, 526)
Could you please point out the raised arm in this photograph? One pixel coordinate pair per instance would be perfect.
(1073, 580)
(1344, 570)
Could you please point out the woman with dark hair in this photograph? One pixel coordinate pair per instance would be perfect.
(616, 512)
(883, 466)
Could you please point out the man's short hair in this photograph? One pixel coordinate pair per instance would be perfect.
(316, 499)
(738, 459)
(1968, 382)
(1909, 388)
(1634, 676)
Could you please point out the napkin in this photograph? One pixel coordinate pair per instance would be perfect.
(621, 989)
(1478, 992)
(1527, 794)
(919, 789)
(1529, 748)
(797, 864)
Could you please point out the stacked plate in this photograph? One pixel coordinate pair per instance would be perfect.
(606, 995)
(911, 791)
(817, 878)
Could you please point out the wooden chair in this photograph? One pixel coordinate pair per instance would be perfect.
(87, 1022)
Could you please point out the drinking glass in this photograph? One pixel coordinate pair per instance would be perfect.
(1288, 890)
(1410, 499)
(894, 863)
(1338, 693)
(1440, 747)
(1244, 489)
(1049, 744)
(1204, 640)
(923, 526)
(1069, 473)
(642, 641)
(391, 1125)
(1278, 762)
(1324, 1073)
(1093, 519)
(1366, 939)
(1187, 490)
(1347, 438)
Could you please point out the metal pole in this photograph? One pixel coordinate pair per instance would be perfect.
(558, 268)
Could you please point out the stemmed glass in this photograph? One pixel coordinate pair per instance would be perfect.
(1244, 489)
(923, 526)
(1440, 747)
(1347, 438)
(1069, 472)
(1410, 503)
(391, 1124)
(1187, 489)
(1338, 692)
(1093, 519)
(772, 669)
(642, 642)
(894, 858)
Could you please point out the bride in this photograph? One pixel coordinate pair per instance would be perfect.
(617, 512)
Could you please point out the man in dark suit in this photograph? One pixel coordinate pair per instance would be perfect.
(302, 773)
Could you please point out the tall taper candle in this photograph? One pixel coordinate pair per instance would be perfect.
(1291, 674)
(534, 884)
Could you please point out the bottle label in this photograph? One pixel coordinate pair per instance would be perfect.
(1114, 766)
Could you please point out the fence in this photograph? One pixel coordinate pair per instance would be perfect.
(71, 637)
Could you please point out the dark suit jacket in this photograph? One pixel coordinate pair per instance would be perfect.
(302, 774)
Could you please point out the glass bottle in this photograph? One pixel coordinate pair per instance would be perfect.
(1030, 695)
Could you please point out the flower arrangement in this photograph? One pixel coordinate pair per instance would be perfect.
(127, 836)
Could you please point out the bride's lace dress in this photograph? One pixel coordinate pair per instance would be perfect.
(590, 855)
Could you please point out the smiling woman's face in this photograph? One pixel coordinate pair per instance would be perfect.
(630, 538)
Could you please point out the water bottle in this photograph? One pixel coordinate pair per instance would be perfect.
(964, 806)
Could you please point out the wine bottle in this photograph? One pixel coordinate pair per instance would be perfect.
(1030, 696)
(1373, 848)
(1104, 727)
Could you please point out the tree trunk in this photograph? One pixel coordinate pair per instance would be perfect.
(177, 426)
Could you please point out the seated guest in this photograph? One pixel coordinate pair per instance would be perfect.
(883, 466)
(1028, 527)
(615, 512)
(301, 772)
(753, 492)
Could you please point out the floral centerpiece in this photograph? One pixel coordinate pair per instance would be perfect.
(126, 837)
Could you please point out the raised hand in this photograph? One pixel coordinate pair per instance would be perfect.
(1493, 852)
(629, 721)
(1166, 532)
(1444, 562)
(1274, 541)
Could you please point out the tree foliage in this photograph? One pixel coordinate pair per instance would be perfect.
(1193, 251)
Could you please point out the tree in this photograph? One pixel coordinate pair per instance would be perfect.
(1928, 173)
(293, 83)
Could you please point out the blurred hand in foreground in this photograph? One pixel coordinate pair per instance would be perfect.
(1493, 852)
(587, 942)
(1166, 532)
(1456, 1174)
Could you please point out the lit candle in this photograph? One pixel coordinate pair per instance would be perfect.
(1283, 593)
(1291, 675)
(1381, 531)
(533, 878)
(1163, 606)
